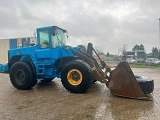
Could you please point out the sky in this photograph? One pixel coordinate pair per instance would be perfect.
(108, 24)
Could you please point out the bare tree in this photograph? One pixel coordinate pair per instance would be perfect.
(123, 50)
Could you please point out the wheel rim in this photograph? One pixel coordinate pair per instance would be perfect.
(20, 76)
(74, 77)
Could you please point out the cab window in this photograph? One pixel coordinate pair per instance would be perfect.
(44, 39)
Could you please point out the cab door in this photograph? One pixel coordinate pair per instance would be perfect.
(44, 44)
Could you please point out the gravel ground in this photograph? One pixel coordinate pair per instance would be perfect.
(51, 101)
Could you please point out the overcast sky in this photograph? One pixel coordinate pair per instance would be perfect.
(108, 24)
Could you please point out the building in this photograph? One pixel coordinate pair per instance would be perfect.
(13, 43)
(136, 54)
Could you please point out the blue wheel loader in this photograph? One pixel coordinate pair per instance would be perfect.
(51, 58)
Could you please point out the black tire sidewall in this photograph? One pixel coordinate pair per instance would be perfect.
(28, 82)
(34, 78)
(146, 86)
(86, 74)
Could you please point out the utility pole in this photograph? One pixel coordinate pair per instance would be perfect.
(159, 40)
(159, 33)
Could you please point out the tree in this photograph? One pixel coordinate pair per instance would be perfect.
(107, 55)
(138, 47)
(155, 52)
(141, 47)
(123, 50)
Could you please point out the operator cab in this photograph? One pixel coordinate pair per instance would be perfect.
(51, 37)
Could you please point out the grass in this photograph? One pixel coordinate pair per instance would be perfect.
(135, 65)
(144, 66)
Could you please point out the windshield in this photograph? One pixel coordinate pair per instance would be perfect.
(59, 38)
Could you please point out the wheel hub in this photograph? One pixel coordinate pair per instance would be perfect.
(20, 76)
(74, 77)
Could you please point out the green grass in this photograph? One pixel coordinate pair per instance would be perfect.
(135, 65)
(144, 66)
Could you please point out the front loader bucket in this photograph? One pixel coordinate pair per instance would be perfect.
(123, 82)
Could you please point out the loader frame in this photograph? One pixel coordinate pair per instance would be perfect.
(51, 58)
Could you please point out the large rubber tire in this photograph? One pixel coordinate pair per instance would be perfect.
(22, 76)
(76, 76)
(146, 84)
(34, 80)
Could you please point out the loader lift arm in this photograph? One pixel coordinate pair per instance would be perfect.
(97, 72)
